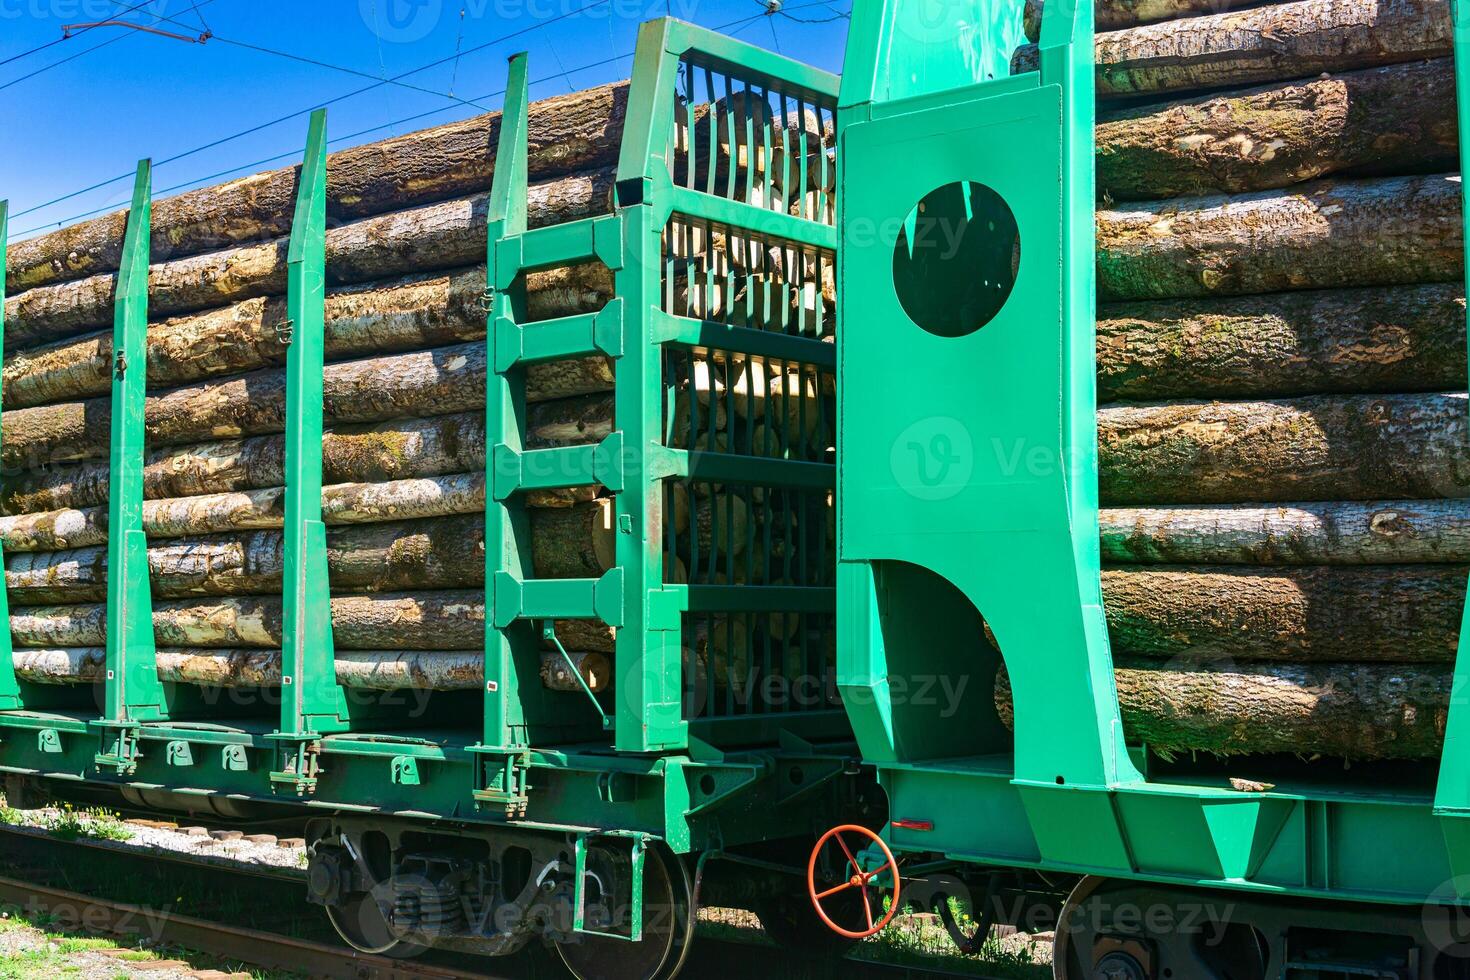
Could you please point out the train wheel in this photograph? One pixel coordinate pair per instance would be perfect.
(360, 923)
(668, 930)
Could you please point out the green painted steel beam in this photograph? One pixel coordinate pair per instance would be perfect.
(672, 329)
(774, 224)
(132, 692)
(311, 700)
(563, 338)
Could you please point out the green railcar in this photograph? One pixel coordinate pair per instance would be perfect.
(968, 526)
(505, 810)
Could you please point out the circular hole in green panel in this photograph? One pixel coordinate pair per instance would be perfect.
(955, 261)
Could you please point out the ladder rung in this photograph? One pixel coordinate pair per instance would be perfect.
(559, 598)
(585, 240)
(560, 467)
(555, 340)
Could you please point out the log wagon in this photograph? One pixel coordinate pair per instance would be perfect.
(470, 493)
(1150, 595)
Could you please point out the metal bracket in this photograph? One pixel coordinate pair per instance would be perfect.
(299, 765)
(504, 781)
(48, 741)
(311, 700)
(132, 691)
(234, 758)
(121, 747)
(548, 633)
(404, 771)
(178, 753)
(637, 862)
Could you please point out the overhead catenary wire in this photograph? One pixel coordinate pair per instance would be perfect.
(301, 112)
(51, 44)
(734, 26)
(302, 59)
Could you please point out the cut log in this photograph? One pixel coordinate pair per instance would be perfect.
(1345, 710)
(1324, 235)
(448, 235)
(1350, 447)
(1114, 15)
(1329, 533)
(444, 620)
(1396, 338)
(1288, 40)
(566, 133)
(1205, 614)
(353, 454)
(1394, 120)
(368, 320)
(437, 553)
(594, 668)
(173, 517)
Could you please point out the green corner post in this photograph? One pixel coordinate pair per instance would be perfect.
(312, 702)
(132, 691)
(10, 698)
(647, 660)
(500, 780)
(1452, 795)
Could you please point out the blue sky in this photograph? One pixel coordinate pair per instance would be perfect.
(96, 112)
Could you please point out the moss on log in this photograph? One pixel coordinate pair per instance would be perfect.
(1348, 447)
(1394, 120)
(1279, 41)
(1394, 338)
(566, 133)
(1322, 235)
(1345, 710)
(1203, 614)
(1338, 532)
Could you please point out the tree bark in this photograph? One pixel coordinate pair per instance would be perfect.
(369, 320)
(1114, 15)
(566, 133)
(342, 503)
(1207, 614)
(1351, 447)
(1324, 235)
(1288, 40)
(442, 381)
(447, 235)
(1328, 533)
(402, 449)
(442, 620)
(1396, 338)
(1394, 120)
(1347, 711)
(436, 553)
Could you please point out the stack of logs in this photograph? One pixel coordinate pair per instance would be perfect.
(1281, 374)
(405, 388)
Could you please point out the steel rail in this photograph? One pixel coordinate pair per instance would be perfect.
(263, 949)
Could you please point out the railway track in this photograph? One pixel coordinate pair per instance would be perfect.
(37, 861)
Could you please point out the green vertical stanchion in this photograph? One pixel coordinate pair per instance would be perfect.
(648, 665)
(132, 692)
(502, 781)
(9, 688)
(312, 703)
(1452, 794)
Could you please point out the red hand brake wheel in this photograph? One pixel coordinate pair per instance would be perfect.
(859, 879)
